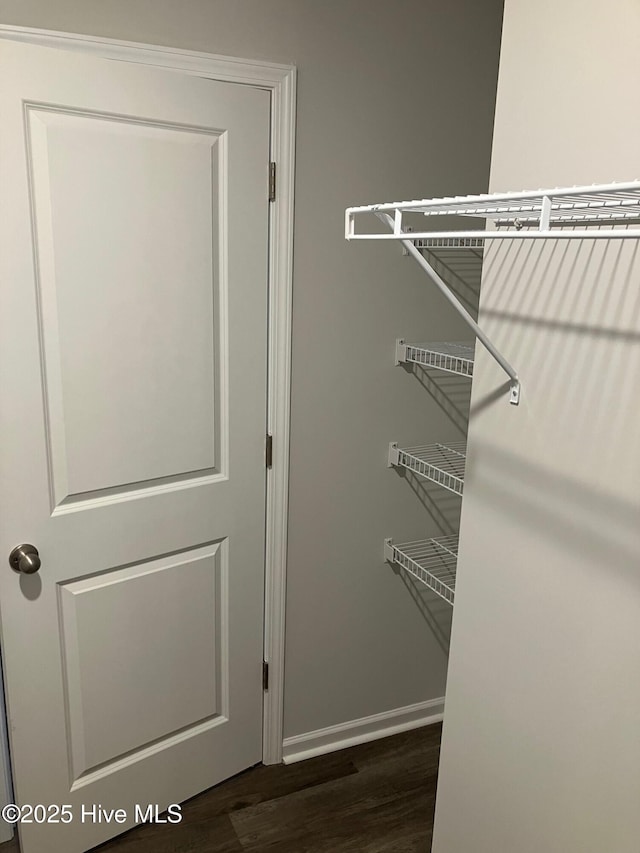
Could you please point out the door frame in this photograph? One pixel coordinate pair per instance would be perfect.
(280, 81)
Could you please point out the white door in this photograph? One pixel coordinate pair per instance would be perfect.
(133, 317)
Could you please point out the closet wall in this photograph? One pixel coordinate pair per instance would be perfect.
(541, 748)
(395, 100)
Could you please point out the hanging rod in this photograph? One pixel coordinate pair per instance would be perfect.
(514, 385)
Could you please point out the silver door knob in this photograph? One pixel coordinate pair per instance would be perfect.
(25, 559)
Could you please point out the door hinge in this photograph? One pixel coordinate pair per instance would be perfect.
(265, 675)
(268, 451)
(272, 181)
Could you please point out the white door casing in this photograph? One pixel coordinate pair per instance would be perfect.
(143, 485)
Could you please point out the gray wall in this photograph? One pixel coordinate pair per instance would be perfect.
(395, 101)
(541, 748)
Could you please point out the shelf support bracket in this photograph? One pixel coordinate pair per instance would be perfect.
(389, 551)
(401, 350)
(545, 214)
(514, 396)
(392, 459)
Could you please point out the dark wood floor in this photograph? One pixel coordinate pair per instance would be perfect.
(374, 798)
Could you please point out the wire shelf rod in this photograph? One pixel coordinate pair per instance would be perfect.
(519, 234)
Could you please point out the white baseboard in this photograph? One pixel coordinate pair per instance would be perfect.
(376, 726)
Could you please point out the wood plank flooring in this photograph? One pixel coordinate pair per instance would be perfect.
(374, 798)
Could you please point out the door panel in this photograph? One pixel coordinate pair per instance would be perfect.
(159, 673)
(100, 182)
(133, 315)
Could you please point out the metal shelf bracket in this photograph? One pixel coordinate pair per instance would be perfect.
(401, 350)
(389, 551)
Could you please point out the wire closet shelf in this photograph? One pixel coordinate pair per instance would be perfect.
(440, 463)
(449, 356)
(529, 215)
(431, 561)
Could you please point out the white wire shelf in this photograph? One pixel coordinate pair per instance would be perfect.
(441, 463)
(452, 357)
(598, 204)
(431, 561)
(450, 243)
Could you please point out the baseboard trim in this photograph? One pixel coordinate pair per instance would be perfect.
(333, 738)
